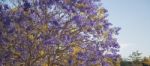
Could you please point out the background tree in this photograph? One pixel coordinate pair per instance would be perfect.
(56, 33)
(136, 58)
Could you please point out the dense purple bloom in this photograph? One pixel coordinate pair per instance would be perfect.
(6, 7)
(11, 30)
(7, 55)
(1, 7)
(82, 56)
(78, 20)
(58, 32)
(105, 64)
(6, 21)
(67, 39)
(27, 5)
(0, 32)
(55, 23)
(51, 41)
(70, 62)
(106, 24)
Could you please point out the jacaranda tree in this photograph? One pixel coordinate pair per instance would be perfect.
(56, 33)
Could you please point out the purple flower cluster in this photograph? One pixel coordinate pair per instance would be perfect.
(56, 32)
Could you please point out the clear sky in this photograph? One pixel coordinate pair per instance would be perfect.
(133, 16)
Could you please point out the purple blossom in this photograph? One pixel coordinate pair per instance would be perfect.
(105, 64)
(6, 21)
(69, 37)
(78, 20)
(82, 56)
(6, 7)
(51, 41)
(1, 7)
(70, 62)
(27, 5)
(55, 23)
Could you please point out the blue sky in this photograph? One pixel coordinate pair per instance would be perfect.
(133, 16)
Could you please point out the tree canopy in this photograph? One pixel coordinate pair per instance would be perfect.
(56, 33)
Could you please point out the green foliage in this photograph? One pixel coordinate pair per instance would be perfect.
(135, 59)
(135, 56)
